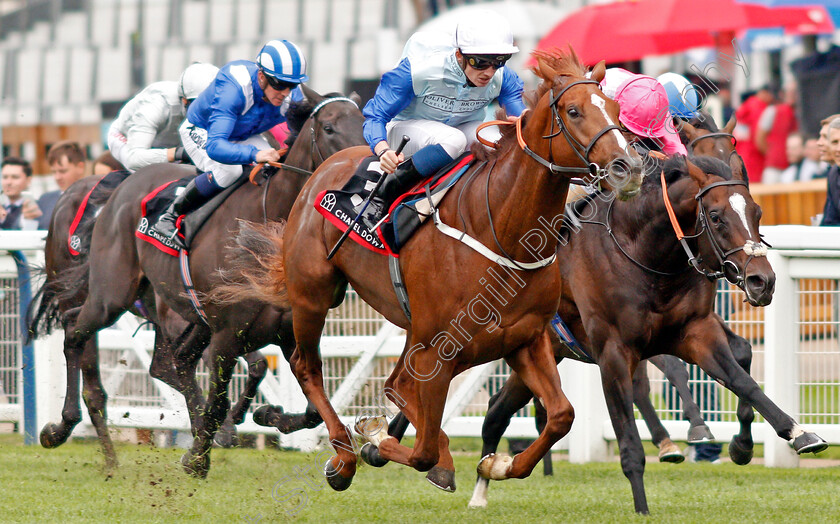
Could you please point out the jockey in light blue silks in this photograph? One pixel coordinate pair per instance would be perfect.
(224, 125)
(437, 96)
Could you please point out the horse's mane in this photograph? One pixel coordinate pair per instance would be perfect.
(563, 64)
(675, 169)
(298, 113)
(703, 120)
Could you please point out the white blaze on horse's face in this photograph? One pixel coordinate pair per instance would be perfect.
(739, 204)
(601, 104)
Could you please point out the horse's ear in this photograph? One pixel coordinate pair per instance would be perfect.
(730, 126)
(546, 71)
(311, 95)
(695, 172)
(599, 71)
(737, 167)
(687, 132)
(354, 96)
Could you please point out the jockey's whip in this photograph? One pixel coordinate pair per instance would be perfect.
(373, 192)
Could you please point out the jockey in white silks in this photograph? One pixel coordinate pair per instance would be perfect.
(437, 96)
(146, 129)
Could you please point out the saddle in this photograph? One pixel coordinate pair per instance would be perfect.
(78, 238)
(156, 203)
(406, 215)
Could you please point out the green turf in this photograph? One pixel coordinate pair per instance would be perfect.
(67, 485)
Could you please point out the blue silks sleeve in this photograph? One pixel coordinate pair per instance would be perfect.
(395, 93)
(510, 97)
(228, 104)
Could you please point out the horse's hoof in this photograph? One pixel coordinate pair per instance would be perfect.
(373, 429)
(196, 466)
(670, 452)
(336, 481)
(49, 436)
(441, 479)
(265, 415)
(495, 466)
(226, 439)
(809, 443)
(740, 454)
(370, 454)
(697, 434)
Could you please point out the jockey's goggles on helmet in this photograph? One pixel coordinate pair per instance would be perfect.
(482, 62)
(278, 85)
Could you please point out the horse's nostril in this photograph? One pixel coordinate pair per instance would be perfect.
(756, 284)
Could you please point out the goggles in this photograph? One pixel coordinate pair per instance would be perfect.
(482, 62)
(278, 85)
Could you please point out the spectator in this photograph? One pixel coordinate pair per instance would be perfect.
(822, 144)
(831, 211)
(105, 163)
(745, 132)
(777, 121)
(19, 209)
(67, 163)
(804, 159)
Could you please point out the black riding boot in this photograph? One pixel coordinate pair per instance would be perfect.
(402, 179)
(189, 200)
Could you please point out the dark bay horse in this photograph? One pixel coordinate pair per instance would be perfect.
(454, 326)
(649, 302)
(121, 269)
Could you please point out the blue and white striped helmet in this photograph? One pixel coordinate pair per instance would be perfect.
(284, 61)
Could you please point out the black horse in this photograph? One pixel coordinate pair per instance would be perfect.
(120, 269)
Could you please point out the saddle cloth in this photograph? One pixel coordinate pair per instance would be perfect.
(156, 203)
(78, 238)
(406, 214)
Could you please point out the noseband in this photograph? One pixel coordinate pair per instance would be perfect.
(315, 149)
(580, 150)
(729, 269)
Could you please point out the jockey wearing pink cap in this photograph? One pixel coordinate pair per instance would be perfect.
(644, 108)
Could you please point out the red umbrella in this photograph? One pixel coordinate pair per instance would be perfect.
(631, 30)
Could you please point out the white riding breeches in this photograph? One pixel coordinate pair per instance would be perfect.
(454, 140)
(194, 139)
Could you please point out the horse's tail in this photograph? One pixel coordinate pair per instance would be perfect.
(255, 267)
(43, 314)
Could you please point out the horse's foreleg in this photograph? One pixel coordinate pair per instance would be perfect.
(257, 368)
(513, 396)
(54, 435)
(617, 382)
(95, 399)
(705, 343)
(741, 445)
(223, 352)
(668, 451)
(536, 366)
(677, 374)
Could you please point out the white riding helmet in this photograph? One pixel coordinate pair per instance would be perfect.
(195, 79)
(485, 33)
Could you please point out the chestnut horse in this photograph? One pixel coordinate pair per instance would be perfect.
(121, 269)
(501, 203)
(626, 301)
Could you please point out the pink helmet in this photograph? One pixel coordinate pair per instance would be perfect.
(644, 111)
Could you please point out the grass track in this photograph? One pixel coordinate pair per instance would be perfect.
(67, 485)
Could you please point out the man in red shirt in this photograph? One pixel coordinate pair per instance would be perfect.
(745, 132)
(776, 123)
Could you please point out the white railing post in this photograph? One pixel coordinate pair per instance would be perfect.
(51, 377)
(294, 401)
(781, 346)
(582, 385)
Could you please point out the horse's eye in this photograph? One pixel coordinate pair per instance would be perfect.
(715, 218)
(329, 129)
(758, 213)
(573, 112)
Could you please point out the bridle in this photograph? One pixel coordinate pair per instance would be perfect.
(314, 146)
(714, 134)
(729, 269)
(580, 150)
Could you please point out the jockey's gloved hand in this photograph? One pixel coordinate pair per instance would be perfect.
(181, 156)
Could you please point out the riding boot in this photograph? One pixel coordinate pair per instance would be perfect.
(189, 200)
(395, 184)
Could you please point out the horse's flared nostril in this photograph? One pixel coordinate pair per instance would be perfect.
(759, 289)
(625, 177)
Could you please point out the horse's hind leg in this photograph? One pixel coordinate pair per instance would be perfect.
(677, 374)
(668, 451)
(257, 368)
(96, 399)
(741, 445)
(536, 367)
(513, 396)
(54, 435)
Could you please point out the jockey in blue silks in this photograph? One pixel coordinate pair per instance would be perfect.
(437, 96)
(223, 127)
